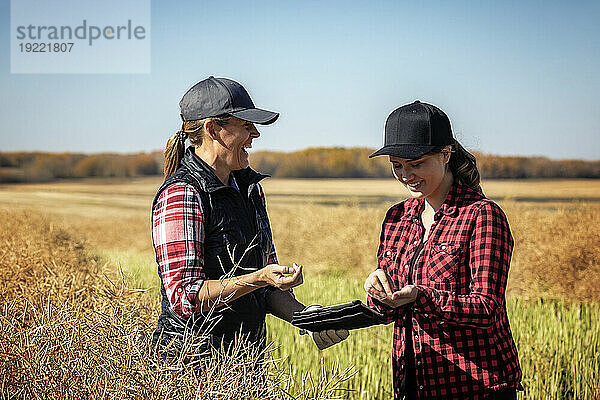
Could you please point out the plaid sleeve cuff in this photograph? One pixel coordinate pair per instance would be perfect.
(425, 299)
(469, 310)
(272, 257)
(389, 314)
(189, 295)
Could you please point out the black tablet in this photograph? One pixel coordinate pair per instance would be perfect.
(352, 315)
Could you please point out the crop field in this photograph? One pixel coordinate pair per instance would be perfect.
(61, 243)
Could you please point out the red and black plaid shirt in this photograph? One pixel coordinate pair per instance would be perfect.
(178, 234)
(463, 346)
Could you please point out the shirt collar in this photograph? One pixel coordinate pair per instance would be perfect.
(449, 205)
(413, 208)
(460, 194)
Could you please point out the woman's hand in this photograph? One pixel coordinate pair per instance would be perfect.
(282, 277)
(378, 287)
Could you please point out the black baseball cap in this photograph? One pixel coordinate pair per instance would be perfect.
(213, 97)
(415, 129)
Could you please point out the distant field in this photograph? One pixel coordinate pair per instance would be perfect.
(138, 192)
(304, 214)
(332, 228)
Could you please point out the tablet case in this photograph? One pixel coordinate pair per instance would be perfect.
(352, 315)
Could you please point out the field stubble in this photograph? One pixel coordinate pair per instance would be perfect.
(71, 328)
(332, 227)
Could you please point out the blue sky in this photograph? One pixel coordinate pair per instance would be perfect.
(515, 77)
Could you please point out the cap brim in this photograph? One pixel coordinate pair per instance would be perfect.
(256, 116)
(409, 151)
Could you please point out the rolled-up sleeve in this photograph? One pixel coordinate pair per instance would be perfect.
(178, 237)
(389, 314)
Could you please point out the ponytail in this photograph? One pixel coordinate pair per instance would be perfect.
(464, 166)
(174, 152)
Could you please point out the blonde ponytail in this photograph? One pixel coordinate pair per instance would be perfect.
(174, 152)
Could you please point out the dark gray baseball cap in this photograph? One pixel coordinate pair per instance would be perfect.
(415, 129)
(213, 97)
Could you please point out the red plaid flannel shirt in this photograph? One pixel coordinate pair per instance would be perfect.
(178, 234)
(462, 340)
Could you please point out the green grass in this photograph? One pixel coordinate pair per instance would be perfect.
(558, 342)
(140, 269)
(559, 348)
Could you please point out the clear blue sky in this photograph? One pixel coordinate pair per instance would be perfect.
(515, 77)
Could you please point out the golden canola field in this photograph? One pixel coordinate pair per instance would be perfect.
(66, 329)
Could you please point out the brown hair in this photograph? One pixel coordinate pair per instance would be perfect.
(463, 165)
(192, 130)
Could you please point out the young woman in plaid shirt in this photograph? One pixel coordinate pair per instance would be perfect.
(443, 264)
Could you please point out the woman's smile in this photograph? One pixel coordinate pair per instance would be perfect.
(243, 154)
(237, 137)
(415, 186)
(246, 146)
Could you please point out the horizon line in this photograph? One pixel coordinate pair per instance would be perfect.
(29, 151)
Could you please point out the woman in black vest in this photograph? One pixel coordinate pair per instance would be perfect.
(211, 233)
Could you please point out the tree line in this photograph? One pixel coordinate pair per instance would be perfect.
(45, 167)
(320, 162)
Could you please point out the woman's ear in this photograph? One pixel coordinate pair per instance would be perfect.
(447, 152)
(209, 128)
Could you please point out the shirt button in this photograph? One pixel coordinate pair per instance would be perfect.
(426, 315)
(407, 266)
(179, 290)
(443, 247)
(418, 362)
(421, 387)
(416, 336)
(387, 253)
(401, 366)
(415, 241)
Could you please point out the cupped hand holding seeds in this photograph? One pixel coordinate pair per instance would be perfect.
(377, 285)
(281, 276)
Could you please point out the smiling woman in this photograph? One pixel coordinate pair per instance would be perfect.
(211, 232)
(443, 264)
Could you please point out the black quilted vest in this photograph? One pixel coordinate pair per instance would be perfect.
(235, 226)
